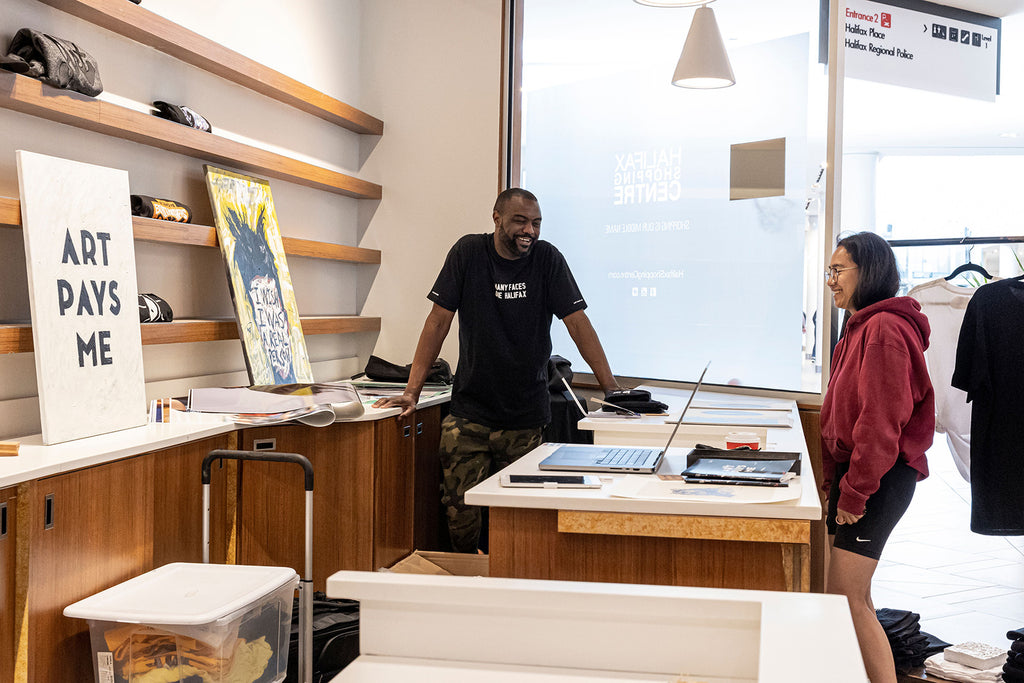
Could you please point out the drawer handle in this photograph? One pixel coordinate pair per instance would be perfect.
(419, 428)
(406, 431)
(48, 511)
(3, 520)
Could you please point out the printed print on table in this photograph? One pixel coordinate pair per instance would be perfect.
(258, 277)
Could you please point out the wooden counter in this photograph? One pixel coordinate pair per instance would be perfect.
(88, 514)
(591, 535)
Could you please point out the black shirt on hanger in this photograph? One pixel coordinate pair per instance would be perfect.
(990, 368)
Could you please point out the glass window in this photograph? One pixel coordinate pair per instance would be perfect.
(690, 218)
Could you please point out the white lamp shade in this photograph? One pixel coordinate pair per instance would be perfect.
(703, 62)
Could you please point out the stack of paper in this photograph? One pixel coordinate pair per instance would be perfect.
(316, 404)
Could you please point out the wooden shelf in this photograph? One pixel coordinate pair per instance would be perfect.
(10, 212)
(17, 338)
(29, 96)
(151, 29)
(152, 230)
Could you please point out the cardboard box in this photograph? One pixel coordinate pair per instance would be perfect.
(445, 564)
(209, 621)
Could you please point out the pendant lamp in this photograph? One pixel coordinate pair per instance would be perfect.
(703, 62)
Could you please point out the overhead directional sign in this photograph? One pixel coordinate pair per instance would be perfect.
(922, 45)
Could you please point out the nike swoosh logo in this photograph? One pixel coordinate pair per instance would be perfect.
(863, 540)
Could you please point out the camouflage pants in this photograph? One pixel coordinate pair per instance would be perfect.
(470, 453)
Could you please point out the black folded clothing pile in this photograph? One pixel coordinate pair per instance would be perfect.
(380, 370)
(634, 400)
(162, 209)
(54, 61)
(1013, 670)
(183, 115)
(910, 645)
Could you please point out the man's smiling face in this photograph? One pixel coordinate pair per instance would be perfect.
(516, 227)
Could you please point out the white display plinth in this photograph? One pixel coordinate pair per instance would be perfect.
(488, 630)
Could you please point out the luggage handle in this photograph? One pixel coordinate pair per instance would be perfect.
(223, 454)
(306, 584)
(307, 466)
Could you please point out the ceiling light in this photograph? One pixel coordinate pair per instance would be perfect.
(703, 62)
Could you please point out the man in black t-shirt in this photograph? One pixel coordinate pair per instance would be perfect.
(505, 287)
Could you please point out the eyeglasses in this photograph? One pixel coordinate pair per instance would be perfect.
(832, 272)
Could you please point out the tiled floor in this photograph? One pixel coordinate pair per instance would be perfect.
(965, 586)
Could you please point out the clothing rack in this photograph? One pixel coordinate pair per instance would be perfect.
(955, 241)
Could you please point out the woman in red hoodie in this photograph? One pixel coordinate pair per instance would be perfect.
(877, 421)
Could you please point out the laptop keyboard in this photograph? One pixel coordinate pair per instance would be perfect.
(624, 457)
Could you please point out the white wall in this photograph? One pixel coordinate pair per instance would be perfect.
(431, 74)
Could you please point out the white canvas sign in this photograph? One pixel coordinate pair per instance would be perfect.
(83, 295)
(955, 52)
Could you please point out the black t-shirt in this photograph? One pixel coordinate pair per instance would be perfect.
(505, 310)
(990, 368)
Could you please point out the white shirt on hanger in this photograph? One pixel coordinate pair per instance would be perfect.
(945, 303)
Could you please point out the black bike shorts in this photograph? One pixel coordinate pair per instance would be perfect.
(885, 507)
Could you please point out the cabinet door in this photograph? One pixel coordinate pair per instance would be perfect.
(93, 528)
(178, 502)
(8, 549)
(87, 530)
(271, 499)
(430, 530)
(394, 479)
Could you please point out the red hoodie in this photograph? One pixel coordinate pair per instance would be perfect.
(879, 406)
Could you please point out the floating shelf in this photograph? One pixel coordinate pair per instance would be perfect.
(152, 230)
(29, 96)
(18, 338)
(151, 29)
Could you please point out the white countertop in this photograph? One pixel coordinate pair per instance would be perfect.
(648, 430)
(36, 460)
(655, 427)
(490, 493)
(450, 629)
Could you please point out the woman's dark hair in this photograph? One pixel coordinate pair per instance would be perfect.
(878, 277)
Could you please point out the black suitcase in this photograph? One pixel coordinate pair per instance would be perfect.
(335, 638)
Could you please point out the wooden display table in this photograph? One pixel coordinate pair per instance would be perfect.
(590, 535)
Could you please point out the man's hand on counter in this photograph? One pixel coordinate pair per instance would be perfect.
(405, 402)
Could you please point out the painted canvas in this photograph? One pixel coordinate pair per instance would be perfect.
(80, 257)
(261, 286)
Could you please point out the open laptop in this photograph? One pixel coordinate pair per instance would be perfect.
(588, 458)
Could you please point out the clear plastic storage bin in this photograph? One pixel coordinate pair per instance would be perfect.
(208, 623)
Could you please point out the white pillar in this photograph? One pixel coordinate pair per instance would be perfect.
(858, 198)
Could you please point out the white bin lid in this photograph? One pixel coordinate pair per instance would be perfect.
(183, 593)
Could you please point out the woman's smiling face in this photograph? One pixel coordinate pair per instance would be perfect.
(843, 279)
